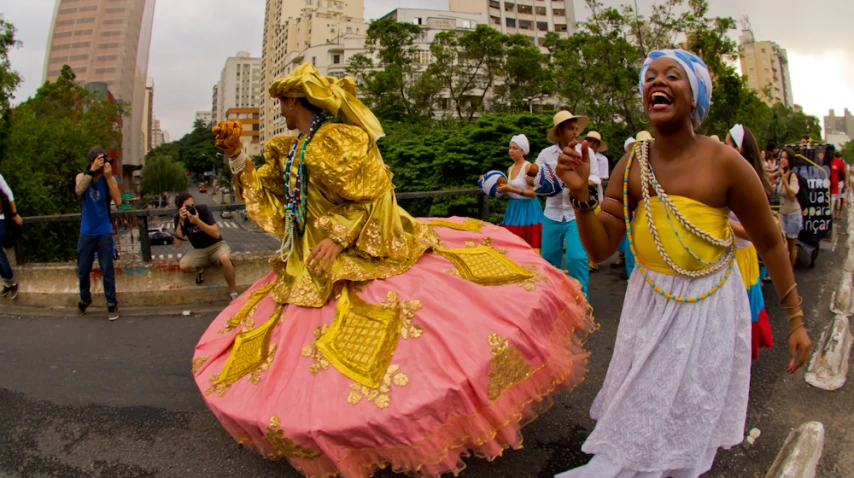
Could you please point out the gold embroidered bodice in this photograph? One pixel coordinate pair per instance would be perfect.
(350, 199)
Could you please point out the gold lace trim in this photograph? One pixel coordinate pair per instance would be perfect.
(335, 231)
(198, 362)
(408, 308)
(507, 368)
(538, 277)
(379, 396)
(362, 339)
(318, 361)
(285, 447)
(470, 225)
(487, 242)
(484, 266)
(251, 352)
(248, 310)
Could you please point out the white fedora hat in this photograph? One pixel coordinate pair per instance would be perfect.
(603, 146)
(562, 117)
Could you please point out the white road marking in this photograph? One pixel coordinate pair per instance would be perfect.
(170, 256)
(179, 256)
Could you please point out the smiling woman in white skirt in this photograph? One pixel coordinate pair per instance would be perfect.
(677, 387)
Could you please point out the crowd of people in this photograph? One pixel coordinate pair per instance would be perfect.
(359, 350)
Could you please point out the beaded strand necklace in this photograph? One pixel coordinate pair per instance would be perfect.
(295, 191)
(646, 177)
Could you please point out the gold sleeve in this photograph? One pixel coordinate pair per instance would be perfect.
(263, 189)
(362, 212)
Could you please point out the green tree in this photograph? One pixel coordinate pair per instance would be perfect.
(466, 67)
(394, 84)
(848, 152)
(9, 79)
(49, 137)
(162, 174)
(526, 72)
(786, 125)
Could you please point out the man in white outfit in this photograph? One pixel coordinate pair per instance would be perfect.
(559, 228)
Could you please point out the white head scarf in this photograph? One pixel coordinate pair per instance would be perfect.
(522, 142)
(698, 77)
(737, 134)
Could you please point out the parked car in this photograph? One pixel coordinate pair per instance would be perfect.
(202, 188)
(159, 237)
(226, 214)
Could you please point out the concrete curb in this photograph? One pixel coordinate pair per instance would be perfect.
(800, 453)
(828, 367)
(17, 311)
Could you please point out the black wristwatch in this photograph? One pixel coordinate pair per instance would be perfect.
(89, 172)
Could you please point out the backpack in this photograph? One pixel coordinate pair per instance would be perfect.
(803, 191)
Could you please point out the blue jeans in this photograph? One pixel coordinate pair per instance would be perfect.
(555, 236)
(87, 246)
(5, 269)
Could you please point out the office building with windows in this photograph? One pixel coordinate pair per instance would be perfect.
(324, 32)
(766, 66)
(534, 18)
(107, 41)
(239, 86)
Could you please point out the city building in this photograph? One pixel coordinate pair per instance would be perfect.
(158, 139)
(250, 135)
(528, 17)
(297, 32)
(106, 41)
(206, 117)
(766, 66)
(838, 130)
(239, 85)
(148, 117)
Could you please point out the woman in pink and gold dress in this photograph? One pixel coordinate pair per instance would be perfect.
(378, 340)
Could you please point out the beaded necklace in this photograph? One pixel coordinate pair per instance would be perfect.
(295, 191)
(647, 176)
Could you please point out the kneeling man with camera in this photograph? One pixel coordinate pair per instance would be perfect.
(196, 223)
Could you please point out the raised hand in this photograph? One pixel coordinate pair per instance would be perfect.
(228, 137)
(574, 170)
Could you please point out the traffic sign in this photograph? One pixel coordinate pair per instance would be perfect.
(127, 196)
(125, 207)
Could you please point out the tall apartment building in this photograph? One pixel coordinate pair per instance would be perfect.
(239, 85)
(106, 41)
(534, 18)
(148, 117)
(296, 32)
(250, 134)
(839, 130)
(766, 66)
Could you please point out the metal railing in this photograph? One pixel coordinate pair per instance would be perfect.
(142, 217)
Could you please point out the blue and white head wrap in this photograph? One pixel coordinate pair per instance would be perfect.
(698, 76)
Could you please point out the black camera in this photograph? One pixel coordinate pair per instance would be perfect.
(191, 209)
(108, 160)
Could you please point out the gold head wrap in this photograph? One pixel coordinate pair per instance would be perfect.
(338, 97)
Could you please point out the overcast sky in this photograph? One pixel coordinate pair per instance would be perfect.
(192, 39)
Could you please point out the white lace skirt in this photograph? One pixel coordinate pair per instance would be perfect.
(677, 386)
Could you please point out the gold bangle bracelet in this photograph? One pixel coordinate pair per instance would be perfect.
(791, 332)
(797, 315)
(794, 286)
(800, 302)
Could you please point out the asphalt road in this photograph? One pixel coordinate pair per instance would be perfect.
(85, 397)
